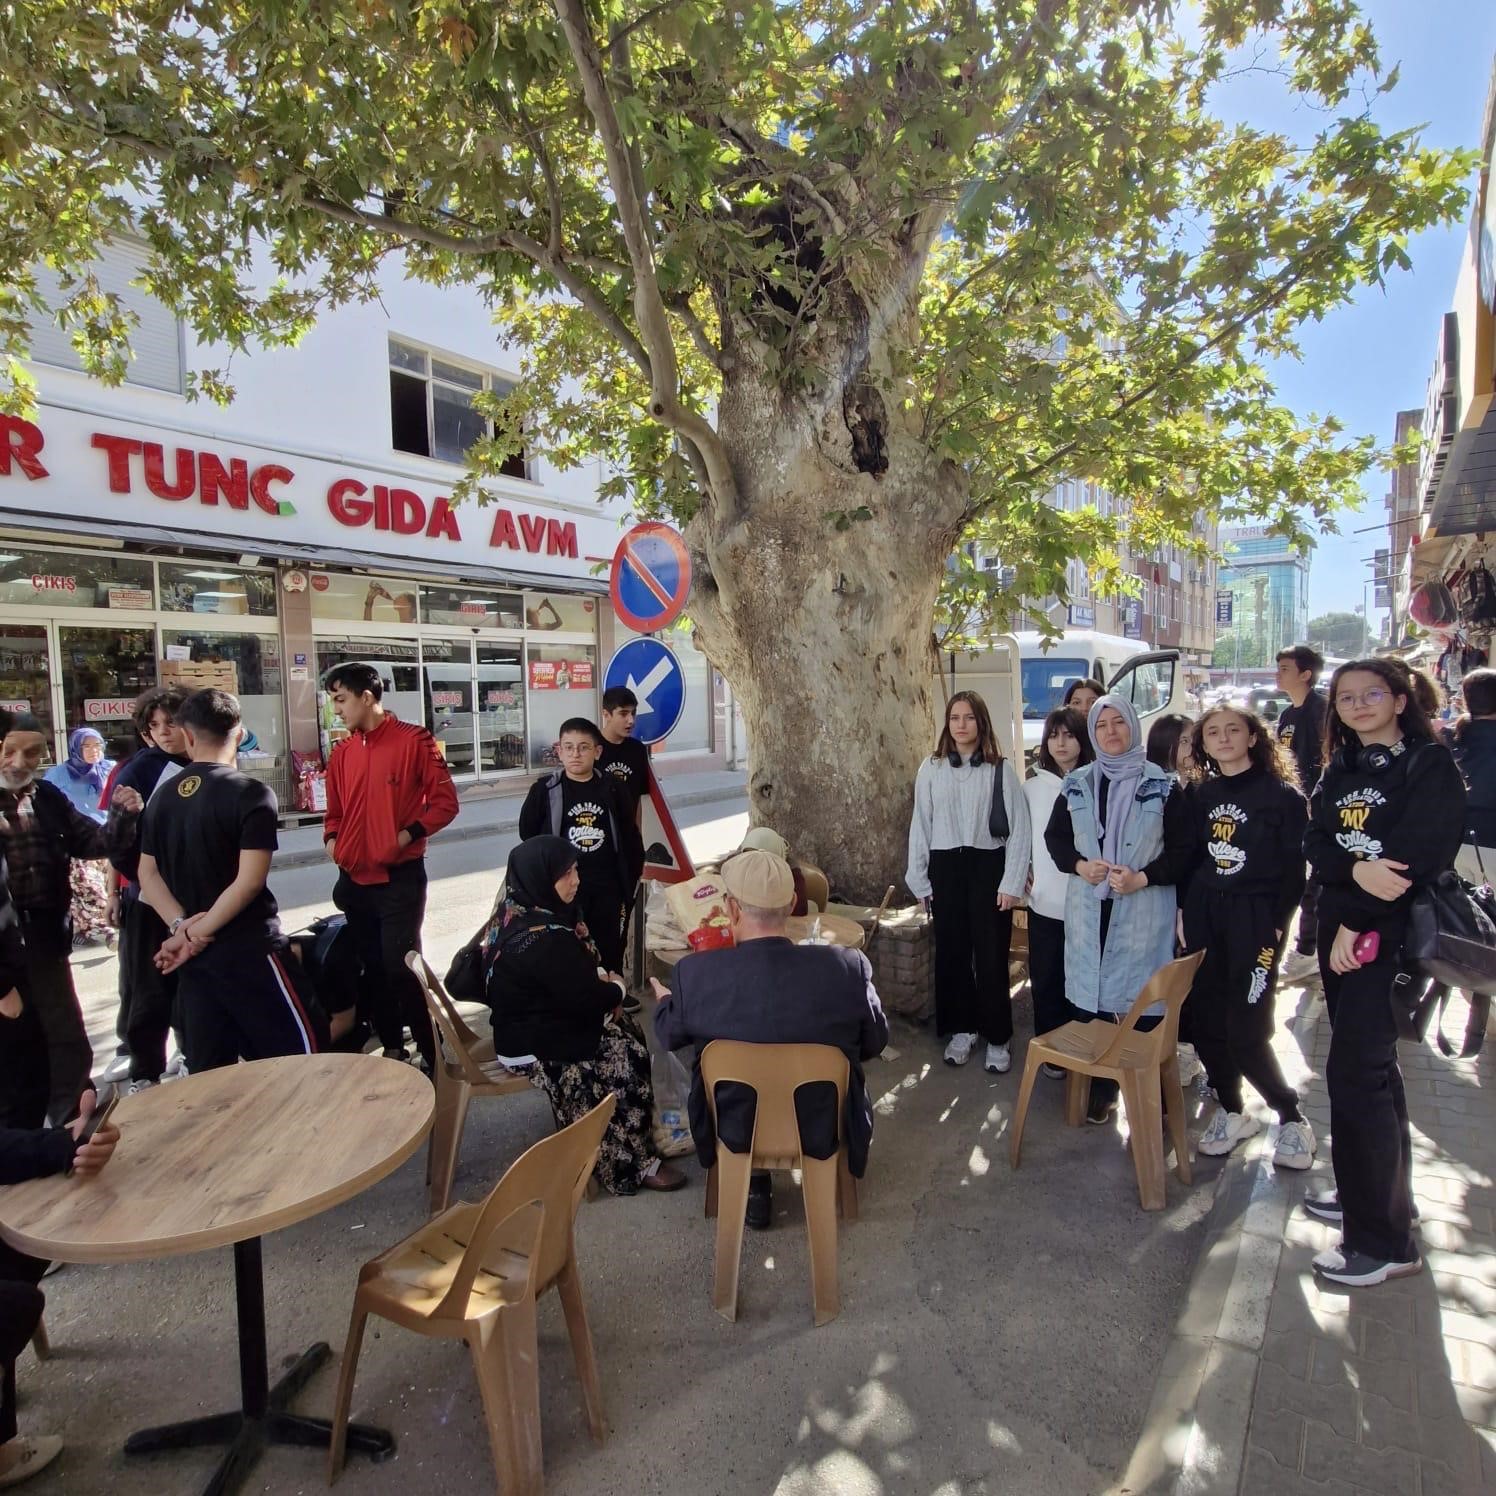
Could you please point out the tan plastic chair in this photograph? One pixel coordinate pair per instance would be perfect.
(1145, 1064)
(473, 1274)
(465, 1067)
(776, 1072)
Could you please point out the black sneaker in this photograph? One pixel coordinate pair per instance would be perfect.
(1324, 1205)
(630, 1004)
(1358, 1270)
(1101, 1110)
(760, 1212)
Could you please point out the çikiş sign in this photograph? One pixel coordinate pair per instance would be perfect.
(148, 477)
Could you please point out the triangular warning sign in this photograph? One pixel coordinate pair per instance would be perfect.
(665, 857)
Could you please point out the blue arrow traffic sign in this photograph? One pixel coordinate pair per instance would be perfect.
(651, 577)
(651, 671)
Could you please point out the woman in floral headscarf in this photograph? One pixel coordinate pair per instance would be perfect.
(81, 777)
(558, 1019)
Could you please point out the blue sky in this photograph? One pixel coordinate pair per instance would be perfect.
(1371, 359)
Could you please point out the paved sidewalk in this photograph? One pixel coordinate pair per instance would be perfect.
(1275, 1385)
(487, 810)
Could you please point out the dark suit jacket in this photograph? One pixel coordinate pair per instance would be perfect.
(772, 991)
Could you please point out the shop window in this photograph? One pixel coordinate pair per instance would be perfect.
(341, 595)
(25, 674)
(561, 682)
(477, 607)
(155, 339)
(431, 406)
(207, 587)
(399, 672)
(501, 707)
(560, 612)
(103, 671)
(256, 662)
(62, 579)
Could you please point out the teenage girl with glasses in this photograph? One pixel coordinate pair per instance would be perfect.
(1384, 822)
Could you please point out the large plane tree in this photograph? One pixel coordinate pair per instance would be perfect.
(834, 285)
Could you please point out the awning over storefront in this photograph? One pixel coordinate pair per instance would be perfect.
(64, 527)
(1465, 500)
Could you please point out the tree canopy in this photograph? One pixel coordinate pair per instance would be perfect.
(1009, 236)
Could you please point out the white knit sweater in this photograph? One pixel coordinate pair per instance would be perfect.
(951, 807)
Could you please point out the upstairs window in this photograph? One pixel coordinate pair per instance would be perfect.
(431, 406)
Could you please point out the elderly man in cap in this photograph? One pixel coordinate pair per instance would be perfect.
(768, 990)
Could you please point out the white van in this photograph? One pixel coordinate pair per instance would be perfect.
(1021, 676)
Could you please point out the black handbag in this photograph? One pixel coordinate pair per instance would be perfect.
(997, 816)
(465, 974)
(1451, 935)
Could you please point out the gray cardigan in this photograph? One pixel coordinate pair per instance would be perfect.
(950, 810)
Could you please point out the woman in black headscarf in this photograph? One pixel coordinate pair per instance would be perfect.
(557, 1018)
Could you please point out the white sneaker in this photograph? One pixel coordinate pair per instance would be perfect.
(958, 1051)
(22, 1458)
(1296, 1146)
(135, 1087)
(1190, 1067)
(1299, 967)
(1226, 1130)
(117, 1069)
(998, 1061)
(175, 1066)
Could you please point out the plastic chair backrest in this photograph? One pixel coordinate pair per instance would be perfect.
(1169, 985)
(552, 1176)
(455, 1037)
(776, 1072)
(817, 887)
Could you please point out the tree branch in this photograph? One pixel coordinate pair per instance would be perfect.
(650, 312)
(833, 218)
(704, 345)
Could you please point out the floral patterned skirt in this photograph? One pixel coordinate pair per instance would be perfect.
(90, 885)
(620, 1067)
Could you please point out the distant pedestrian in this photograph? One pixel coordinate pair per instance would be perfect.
(81, 776)
(1064, 746)
(204, 868)
(584, 808)
(147, 995)
(1247, 815)
(41, 832)
(1473, 742)
(1385, 820)
(1120, 825)
(1301, 731)
(969, 846)
(1169, 739)
(388, 791)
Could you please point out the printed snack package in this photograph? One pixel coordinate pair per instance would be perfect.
(700, 909)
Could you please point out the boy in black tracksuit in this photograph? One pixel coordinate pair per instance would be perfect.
(1301, 730)
(1248, 876)
(1403, 803)
(586, 810)
(208, 839)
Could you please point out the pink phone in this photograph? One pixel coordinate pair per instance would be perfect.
(1368, 943)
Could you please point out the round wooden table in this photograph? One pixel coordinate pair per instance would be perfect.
(836, 929)
(220, 1159)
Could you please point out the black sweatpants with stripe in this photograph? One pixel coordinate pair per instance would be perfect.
(246, 1000)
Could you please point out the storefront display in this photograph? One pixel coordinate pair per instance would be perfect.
(556, 673)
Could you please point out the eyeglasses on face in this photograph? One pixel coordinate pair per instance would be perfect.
(1349, 700)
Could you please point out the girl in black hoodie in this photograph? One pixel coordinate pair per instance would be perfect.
(1473, 743)
(1384, 822)
(1247, 816)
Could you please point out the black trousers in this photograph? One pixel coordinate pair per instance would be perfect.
(1231, 1002)
(243, 1000)
(1308, 942)
(51, 992)
(21, 1307)
(25, 1085)
(147, 995)
(972, 937)
(605, 910)
(1371, 1144)
(384, 921)
(1046, 939)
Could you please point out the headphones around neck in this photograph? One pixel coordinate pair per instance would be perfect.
(1373, 758)
(954, 759)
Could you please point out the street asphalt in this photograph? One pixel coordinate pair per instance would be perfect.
(999, 1333)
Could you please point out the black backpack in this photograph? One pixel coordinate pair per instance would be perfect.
(1478, 596)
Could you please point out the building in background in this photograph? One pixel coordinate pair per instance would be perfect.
(145, 537)
(1269, 583)
(1403, 521)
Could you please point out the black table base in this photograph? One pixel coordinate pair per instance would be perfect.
(264, 1417)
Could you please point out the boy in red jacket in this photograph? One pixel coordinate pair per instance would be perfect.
(388, 790)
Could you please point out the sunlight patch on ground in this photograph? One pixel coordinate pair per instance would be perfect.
(885, 1104)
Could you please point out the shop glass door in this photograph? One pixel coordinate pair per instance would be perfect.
(447, 666)
(102, 672)
(26, 675)
(501, 708)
